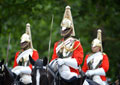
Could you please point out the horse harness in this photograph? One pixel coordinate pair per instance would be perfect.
(2, 72)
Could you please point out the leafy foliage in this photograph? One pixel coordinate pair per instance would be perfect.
(88, 16)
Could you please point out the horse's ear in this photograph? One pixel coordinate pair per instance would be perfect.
(45, 60)
(31, 60)
(2, 62)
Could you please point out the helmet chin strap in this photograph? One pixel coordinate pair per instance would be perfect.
(26, 46)
(67, 34)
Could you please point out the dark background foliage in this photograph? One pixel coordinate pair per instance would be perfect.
(88, 16)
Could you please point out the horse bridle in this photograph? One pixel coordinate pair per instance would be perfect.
(38, 67)
(2, 68)
(2, 74)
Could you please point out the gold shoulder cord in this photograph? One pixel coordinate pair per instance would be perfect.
(72, 49)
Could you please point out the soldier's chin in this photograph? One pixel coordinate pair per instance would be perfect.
(63, 34)
(24, 47)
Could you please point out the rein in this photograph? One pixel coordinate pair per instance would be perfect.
(38, 67)
(52, 72)
(2, 74)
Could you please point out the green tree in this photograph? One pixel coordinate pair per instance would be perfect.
(88, 16)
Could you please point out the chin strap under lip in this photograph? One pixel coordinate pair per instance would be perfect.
(66, 32)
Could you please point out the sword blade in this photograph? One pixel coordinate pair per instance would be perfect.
(8, 47)
(50, 37)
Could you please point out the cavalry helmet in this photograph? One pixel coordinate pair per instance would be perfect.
(25, 37)
(67, 21)
(98, 41)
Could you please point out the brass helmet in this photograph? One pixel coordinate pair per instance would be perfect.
(27, 35)
(67, 21)
(98, 41)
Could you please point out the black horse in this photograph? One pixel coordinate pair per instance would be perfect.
(6, 76)
(44, 75)
(1, 72)
(39, 73)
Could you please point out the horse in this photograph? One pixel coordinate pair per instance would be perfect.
(42, 74)
(1, 72)
(39, 75)
(6, 76)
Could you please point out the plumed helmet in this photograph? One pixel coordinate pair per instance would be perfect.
(25, 37)
(98, 41)
(67, 21)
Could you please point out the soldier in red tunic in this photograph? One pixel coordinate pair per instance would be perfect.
(68, 52)
(96, 64)
(22, 65)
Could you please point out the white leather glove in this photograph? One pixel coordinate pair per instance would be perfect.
(16, 70)
(60, 61)
(26, 70)
(99, 71)
(71, 62)
(21, 69)
(89, 73)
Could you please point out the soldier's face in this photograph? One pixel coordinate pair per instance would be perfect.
(66, 32)
(95, 49)
(24, 45)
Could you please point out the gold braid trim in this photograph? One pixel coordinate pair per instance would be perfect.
(72, 49)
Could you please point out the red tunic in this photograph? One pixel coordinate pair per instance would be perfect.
(77, 54)
(35, 56)
(104, 65)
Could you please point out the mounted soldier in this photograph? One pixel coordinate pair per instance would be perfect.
(22, 65)
(68, 52)
(96, 64)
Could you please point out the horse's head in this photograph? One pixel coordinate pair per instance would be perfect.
(39, 75)
(1, 66)
(6, 76)
(1, 71)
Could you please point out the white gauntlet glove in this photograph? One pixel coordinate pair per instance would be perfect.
(60, 61)
(68, 61)
(99, 71)
(26, 70)
(71, 62)
(89, 73)
(21, 69)
(16, 70)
